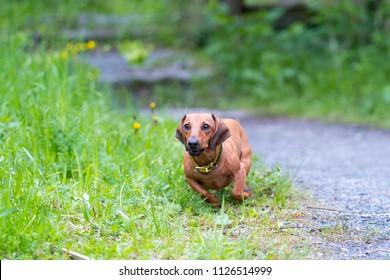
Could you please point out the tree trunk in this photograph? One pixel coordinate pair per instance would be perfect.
(235, 6)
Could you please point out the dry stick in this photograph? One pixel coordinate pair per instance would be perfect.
(349, 214)
(324, 209)
(122, 214)
(73, 255)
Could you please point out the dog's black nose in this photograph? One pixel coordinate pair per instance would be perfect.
(193, 142)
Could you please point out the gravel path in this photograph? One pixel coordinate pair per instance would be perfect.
(345, 168)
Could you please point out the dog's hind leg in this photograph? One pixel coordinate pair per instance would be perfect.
(246, 156)
(240, 192)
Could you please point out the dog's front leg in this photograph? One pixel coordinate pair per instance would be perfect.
(240, 192)
(210, 197)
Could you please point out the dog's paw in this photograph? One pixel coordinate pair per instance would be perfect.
(248, 191)
(213, 200)
(240, 196)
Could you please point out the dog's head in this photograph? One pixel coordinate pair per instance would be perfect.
(199, 132)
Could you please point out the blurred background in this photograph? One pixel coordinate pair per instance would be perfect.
(323, 59)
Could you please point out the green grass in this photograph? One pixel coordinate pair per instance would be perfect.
(75, 174)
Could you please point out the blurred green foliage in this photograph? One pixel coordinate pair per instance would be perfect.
(333, 66)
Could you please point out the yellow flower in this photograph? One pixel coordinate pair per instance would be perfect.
(80, 47)
(155, 119)
(64, 54)
(90, 44)
(153, 105)
(136, 126)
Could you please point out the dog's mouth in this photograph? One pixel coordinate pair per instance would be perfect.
(195, 152)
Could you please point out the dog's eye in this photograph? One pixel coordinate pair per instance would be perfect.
(205, 127)
(187, 126)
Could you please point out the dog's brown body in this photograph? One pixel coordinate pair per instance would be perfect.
(217, 153)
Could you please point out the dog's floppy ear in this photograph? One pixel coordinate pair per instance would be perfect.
(221, 133)
(179, 134)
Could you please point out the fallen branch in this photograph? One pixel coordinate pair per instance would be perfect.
(73, 255)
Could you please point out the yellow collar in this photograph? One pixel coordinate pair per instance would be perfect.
(208, 168)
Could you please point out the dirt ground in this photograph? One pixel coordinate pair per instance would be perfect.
(346, 169)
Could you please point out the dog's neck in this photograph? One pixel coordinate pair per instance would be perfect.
(206, 157)
(208, 160)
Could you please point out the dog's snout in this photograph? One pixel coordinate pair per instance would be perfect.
(193, 142)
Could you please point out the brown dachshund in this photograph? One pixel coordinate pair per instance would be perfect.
(217, 153)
